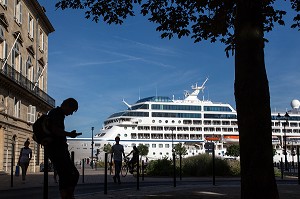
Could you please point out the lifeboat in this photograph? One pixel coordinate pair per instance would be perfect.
(231, 138)
(212, 138)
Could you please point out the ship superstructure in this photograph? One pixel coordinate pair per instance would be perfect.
(160, 122)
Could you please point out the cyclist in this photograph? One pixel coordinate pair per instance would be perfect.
(134, 159)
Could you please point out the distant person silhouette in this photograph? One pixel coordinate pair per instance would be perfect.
(57, 150)
(24, 158)
(117, 151)
(134, 159)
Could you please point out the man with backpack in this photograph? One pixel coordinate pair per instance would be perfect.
(57, 149)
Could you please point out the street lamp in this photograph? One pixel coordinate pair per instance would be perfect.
(286, 117)
(92, 161)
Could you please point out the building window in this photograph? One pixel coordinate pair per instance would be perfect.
(3, 50)
(29, 69)
(16, 59)
(31, 114)
(3, 3)
(40, 76)
(41, 41)
(18, 11)
(17, 108)
(30, 26)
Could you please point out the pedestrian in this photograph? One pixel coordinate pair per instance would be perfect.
(57, 150)
(134, 159)
(24, 158)
(117, 151)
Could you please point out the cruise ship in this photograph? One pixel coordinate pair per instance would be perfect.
(161, 122)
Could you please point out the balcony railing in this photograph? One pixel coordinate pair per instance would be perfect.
(17, 77)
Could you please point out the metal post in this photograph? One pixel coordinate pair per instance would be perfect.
(105, 173)
(281, 168)
(174, 169)
(298, 162)
(143, 170)
(285, 152)
(12, 161)
(180, 167)
(46, 168)
(92, 163)
(82, 170)
(138, 171)
(213, 163)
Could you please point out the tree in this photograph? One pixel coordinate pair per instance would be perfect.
(143, 149)
(240, 25)
(179, 149)
(233, 150)
(107, 148)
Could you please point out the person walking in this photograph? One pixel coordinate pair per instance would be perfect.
(57, 150)
(24, 159)
(134, 159)
(117, 151)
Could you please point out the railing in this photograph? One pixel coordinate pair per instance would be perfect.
(18, 78)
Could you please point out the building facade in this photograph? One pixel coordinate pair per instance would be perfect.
(24, 31)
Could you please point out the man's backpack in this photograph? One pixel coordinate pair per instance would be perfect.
(41, 132)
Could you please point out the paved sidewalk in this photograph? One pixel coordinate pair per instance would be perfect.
(201, 190)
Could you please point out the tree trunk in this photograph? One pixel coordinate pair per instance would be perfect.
(253, 104)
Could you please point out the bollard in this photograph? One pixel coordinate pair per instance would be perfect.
(82, 170)
(174, 169)
(105, 174)
(138, 172)
(213, 164)
(46, 167)
(143, 170)
(298, 162)
(281, 168)
(12, 161)
(180, 167)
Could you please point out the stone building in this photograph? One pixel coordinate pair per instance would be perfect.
(24, 31)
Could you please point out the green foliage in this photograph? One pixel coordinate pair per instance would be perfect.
(179, 149)
(160, 167)
(143, 149)
(107, 148)
(233, 150)
(200, 165)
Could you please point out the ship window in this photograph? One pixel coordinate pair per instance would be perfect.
(153, 121)
(153, 145)
(159, 121)
(160, 146)
(133, 128)
(167, 146)
(160, 153)
(97, 144)
(166, 121)
(173, 121)
(167, 153)
(153, 153)
(125, 135)
(125, 127)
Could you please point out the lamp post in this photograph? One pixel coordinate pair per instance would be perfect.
(92, 161)
(286, 117)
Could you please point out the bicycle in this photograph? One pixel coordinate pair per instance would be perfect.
(125, 167)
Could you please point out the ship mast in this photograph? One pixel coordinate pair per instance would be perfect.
(197, 89)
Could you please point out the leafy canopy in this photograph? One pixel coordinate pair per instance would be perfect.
(211, 20)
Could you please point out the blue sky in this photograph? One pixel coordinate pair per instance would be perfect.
(100, 64)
